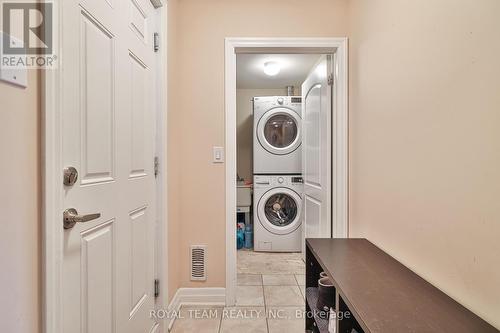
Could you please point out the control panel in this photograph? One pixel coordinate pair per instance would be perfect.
(277, 181)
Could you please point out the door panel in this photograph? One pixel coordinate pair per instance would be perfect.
(316, 151)
(97, 97)
(97, 277)
(109, 137)
(312, 213)
(138, 253)
(138, 101)
(138, 19)
(312, 137)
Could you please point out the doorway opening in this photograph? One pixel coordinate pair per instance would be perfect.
(286, 171)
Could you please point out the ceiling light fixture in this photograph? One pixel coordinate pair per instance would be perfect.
(272, 68)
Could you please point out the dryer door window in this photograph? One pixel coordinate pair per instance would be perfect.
(281, 131)
(281, 209)
(278, 131)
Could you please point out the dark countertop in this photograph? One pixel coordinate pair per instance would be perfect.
(385, 296)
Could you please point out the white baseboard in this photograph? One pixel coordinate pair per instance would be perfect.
(196, 296)
(174, 306)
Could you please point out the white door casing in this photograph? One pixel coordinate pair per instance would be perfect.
(316, 149)
(108, 135)
(327, 45)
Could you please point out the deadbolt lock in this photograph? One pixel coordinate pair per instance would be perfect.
(70, 176)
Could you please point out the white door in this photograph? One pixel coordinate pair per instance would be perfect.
(316, 150)
(108, 135)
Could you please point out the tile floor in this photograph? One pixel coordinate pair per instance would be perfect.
(269, 298)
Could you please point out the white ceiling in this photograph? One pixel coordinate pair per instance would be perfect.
(294, 70)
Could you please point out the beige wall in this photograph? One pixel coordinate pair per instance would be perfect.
(244, 127)
(425, 140)
(198, 93)
(20, 206)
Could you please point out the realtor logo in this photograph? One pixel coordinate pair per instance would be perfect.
(28, 34)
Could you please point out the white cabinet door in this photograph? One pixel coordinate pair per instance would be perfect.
(108, 134)
(316, 150)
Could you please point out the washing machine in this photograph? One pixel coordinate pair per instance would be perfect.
(278, 213)
(277, 135)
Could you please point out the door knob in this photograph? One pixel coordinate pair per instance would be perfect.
(71, 217)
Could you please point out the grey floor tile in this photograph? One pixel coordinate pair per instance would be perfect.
(279, 280)
(288, 326)
(244, 320)
(249, 280)
(301, 279)
(303, 291)
(249, 296)
(250, 262)
(205, 319)
(283, 296)
(285, 319)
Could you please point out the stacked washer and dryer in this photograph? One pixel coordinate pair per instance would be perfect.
(278, 185)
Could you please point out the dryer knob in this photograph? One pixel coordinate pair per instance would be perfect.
(280, 101)
(281, 180)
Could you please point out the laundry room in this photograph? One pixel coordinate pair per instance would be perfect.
(272, 91)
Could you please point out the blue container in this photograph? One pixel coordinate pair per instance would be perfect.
(240, 238)
(248, 238)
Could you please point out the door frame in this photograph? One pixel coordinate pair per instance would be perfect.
(340, 128)
(52, 195)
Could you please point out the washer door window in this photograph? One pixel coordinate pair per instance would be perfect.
(278, 131)
(279, 211)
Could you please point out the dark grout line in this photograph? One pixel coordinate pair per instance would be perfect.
(265, 314)
(220, 322)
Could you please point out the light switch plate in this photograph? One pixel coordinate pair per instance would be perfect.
(218, 156)
(18, 77)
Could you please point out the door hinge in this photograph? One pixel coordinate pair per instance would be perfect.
(157, 166)
(157, 288)
(330, 79)
(156, 41)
